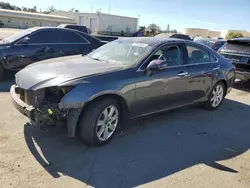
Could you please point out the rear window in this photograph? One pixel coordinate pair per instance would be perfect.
(236, 47)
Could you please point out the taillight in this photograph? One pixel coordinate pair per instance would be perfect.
(234, 67)
(213, 45)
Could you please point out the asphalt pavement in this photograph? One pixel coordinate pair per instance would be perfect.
(188, 147)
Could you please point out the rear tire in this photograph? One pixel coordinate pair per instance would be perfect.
(216, 96)
(95, 127)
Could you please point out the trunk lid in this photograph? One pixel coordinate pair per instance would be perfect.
(238, 50)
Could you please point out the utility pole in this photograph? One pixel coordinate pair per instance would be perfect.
(109, 9)
(168, 28)
(138, 22)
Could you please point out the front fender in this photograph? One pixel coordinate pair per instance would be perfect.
(84, 93)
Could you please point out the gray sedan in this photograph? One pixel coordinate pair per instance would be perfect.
(127, 78)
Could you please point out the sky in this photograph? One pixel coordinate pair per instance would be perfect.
(179, 14)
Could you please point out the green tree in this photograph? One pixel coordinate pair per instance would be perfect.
(8, 6)
(49, 10)
(153, 26)
(234, 35)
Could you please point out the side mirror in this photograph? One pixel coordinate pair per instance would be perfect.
(157, 65)
(25, 40)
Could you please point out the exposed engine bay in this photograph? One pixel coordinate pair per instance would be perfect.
(46, 104)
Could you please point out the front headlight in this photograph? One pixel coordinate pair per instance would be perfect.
(55, 94)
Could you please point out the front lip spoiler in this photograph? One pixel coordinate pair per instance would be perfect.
(21, 106)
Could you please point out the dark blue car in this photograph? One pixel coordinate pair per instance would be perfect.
(36, 44)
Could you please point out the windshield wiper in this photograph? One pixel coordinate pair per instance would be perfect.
(97, 59)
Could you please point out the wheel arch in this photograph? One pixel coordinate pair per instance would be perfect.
(123, 105)
(75, 114)
(225, 84)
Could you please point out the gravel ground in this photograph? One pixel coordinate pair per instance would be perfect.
(189, 147)
(6, 32)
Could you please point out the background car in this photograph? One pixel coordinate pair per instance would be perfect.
(217, 44)
(180, 36)
(238, 50)
(126, 78)
(84, 29)
(36, 44)
(214, 44)
(81, 28)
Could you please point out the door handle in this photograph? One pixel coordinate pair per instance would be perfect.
(183, 74)
(216, 67)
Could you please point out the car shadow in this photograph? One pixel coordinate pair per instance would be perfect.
(147, 149)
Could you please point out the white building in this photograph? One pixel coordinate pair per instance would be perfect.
(212, 34)
(19, 19)
(103, 23)
(193, 32)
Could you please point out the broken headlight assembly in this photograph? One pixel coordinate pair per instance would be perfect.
(55, 94)
(48, 112)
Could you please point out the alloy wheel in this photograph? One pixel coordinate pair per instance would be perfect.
(107, 123)
(217, 95)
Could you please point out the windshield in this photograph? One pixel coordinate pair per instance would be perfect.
(17, 35)
(121, 51)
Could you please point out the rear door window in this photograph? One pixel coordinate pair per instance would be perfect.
(72, 37)
(197, 55)
(45, 37)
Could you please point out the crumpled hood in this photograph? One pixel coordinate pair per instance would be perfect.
(58, 70)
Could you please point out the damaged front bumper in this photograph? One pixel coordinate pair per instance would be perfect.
(21, 106)
(44, 118)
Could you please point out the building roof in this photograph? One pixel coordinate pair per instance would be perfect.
(90, 13)
(30, 15)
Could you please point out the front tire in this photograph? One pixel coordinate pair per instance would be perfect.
(216, 96)
(99, 121)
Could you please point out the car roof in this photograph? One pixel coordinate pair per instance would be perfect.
(182, 36)
(242, 39)
(47, 27)
(73, 25)
(217, 40)
(151, 40)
